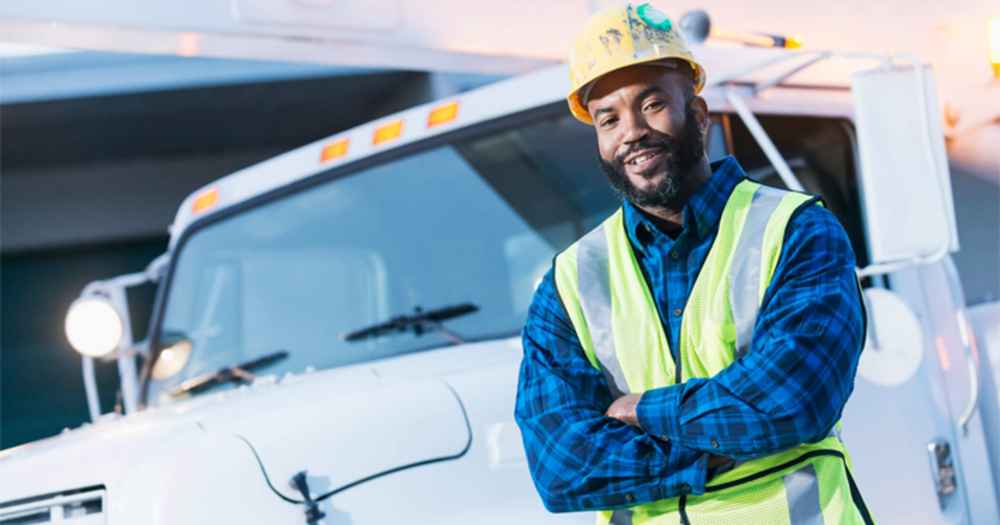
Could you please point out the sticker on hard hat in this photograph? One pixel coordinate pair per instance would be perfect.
(651, 16)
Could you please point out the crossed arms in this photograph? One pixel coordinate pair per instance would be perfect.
(790, 388)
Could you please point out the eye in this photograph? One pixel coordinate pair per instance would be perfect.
(608, 121)
(655, 104)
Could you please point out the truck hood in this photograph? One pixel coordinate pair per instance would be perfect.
(343, 426)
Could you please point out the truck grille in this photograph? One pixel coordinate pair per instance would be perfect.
(74, 507)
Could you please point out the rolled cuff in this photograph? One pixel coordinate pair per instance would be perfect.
(658, 412)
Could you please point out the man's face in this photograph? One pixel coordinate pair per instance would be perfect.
(650, 131)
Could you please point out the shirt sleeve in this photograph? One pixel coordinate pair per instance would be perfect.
(792, 386)
(580, 459)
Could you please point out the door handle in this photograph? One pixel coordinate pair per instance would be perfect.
(942, 469)
(968, 343)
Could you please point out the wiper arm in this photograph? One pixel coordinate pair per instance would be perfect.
(240, 373)
(418, 323)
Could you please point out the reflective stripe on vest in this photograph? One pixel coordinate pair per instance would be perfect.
(595, 301)
(745, 287)
(606, 297)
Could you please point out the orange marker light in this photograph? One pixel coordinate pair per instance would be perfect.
(442, 114)
(388, 132)
(943, 354)
(337, 149)
(187, 44)
(206, 200)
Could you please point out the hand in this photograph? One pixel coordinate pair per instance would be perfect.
(623, 409)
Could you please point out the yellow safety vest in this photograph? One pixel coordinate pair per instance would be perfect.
(611, 308)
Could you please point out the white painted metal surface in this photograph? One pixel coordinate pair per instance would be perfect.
(341, 441)
(944, 385)
(892, 352)
(195, 462)
(904, 167)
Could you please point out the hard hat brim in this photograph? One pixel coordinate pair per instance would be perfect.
(580, 111)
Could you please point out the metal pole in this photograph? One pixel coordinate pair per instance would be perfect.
(764, 141)
(781, 78)
(126, 363)
(90, 386)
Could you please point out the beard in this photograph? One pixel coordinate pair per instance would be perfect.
(681, 154)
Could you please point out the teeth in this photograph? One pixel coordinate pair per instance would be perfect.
(641, 159)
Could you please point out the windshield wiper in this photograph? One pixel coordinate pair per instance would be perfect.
(240, 373)
(418, 323)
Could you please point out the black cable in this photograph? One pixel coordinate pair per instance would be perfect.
(468, 445)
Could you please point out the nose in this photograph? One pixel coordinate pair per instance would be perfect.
(635, 127)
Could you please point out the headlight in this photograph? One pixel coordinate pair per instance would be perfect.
(93, 326)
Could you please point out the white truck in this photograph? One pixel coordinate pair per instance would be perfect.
(335, 337)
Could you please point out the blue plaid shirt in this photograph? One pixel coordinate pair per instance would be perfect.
(790, 388)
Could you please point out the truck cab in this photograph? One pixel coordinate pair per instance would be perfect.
(348, 314)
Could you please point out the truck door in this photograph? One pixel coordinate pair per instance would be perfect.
(919, 453)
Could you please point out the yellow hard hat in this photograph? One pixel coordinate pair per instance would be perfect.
(622, 36)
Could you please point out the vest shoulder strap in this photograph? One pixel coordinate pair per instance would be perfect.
(757, 232)
(564, 278)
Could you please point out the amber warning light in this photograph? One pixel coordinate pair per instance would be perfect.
(335, 150)
(206, 200)
(443, 114)
(388, 132)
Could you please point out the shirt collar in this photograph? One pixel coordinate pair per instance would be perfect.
(703, 209)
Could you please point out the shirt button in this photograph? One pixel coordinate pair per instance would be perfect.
(677, 312)
(665, 438)
(649, 228)
(674, 255)
(704, 231)
(715, 444)
(685, 488)
(628, 497)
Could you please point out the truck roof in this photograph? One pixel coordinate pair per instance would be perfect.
(820, 91)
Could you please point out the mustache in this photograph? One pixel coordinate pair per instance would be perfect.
(667, 145)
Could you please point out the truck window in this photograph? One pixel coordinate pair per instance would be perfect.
(821, 153)
(475, 220)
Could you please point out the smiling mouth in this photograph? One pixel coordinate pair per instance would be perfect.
(644, 160)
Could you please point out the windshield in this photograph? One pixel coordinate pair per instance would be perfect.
(477, 220)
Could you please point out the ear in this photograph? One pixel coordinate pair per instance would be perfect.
(701, 113)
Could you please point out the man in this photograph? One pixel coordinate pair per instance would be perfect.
(688, 360)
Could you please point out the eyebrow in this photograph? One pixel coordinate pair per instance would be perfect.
(602, 110)
(642, 95)
(649, 91)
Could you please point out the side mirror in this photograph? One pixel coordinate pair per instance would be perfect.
(175, 350)
(905, 180)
